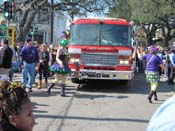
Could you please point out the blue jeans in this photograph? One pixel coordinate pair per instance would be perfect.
(29, 68)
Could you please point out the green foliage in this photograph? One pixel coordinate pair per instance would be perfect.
(122, 9)
(144, 11)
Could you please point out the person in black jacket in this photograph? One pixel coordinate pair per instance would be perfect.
(16, 110)
(6, 55)
(43, 65)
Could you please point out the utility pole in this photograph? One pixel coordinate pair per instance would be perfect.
(51, 33)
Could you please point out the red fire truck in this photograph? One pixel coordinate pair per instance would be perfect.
(101, 49)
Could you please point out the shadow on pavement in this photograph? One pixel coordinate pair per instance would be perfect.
(93, 118)
(137, 86)
(95, 96)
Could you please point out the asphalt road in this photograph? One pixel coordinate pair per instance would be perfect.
(99, 106)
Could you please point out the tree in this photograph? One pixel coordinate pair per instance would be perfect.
(144, 13)
(27, 10)
(151, 15)
(83, 7)
(166, 16)
(121, 9)
(138, 11)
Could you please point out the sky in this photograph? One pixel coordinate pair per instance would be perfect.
(55, 1)
(1, 1)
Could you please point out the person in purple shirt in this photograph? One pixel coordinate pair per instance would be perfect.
(30, 59)
(152, 71)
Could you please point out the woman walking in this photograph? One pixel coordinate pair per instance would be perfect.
(61, 67)
(152, 71)
(43, 65)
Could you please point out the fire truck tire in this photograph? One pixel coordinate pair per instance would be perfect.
(124, 82)
(77, 81)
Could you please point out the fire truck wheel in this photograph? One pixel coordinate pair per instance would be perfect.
(124, 82)
(77, 81)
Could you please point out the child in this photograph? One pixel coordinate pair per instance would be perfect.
(16, 111)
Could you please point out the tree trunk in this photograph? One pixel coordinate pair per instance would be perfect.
(150, 31)
(166, 32)
(149, 40)
(25, 25)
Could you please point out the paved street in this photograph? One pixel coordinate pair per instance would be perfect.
(99, 106)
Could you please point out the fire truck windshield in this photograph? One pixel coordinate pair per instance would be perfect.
(100, 34)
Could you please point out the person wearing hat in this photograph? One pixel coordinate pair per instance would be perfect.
(6, 55)
(30, 58)
(152, 71)
(60, 68)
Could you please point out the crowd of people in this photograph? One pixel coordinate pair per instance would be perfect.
(36, 60)
(167, 56)
(15, 104)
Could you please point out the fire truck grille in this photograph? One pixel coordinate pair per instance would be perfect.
(99, 59)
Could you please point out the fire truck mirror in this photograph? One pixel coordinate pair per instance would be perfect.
(134, 43)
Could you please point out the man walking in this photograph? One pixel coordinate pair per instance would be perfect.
(171, 70)
(30, 58)
(6, 54)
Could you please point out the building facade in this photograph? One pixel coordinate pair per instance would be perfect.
(43, 23)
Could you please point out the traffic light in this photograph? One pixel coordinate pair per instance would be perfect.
(8, 9)
(35, 30)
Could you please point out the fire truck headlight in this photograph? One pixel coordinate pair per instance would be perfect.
(121, 62)
(124, 62)
(73, 60)
(77, 60)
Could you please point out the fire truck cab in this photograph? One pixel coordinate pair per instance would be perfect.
(101, 49)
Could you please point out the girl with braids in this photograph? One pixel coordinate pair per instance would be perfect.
(16, 111)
